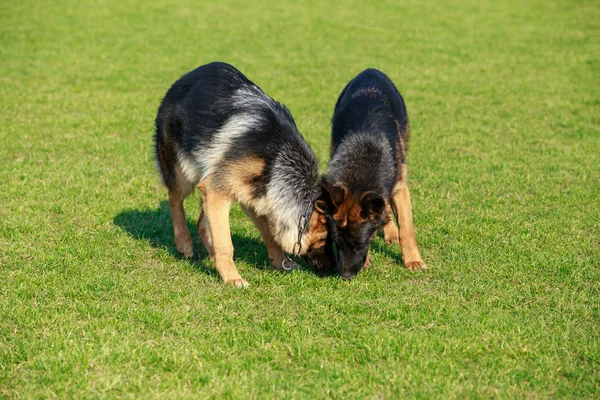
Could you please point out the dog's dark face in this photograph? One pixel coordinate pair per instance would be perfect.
(352, 223)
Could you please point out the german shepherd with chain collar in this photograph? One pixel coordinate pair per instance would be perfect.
(367, 174)
(218, 131)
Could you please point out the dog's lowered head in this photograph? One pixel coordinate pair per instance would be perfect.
(353, 220)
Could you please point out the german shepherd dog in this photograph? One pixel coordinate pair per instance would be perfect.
(218, 131)
(367, 174)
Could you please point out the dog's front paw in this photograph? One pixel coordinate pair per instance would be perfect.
(415, 266)
(390, 234)
(238, 283)
(391, 240)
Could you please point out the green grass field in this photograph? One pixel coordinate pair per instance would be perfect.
(504, 161)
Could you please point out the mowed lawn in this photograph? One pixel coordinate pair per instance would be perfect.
(504, 170)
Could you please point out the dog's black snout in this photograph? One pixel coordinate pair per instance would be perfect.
(350, 260)
(346, 275)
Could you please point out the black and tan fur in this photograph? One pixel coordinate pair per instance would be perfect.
(218, 131)
(367, 177)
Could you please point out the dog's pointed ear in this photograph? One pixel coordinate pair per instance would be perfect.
(373, 205)
(332, 195)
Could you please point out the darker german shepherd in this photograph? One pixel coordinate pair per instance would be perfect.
(218, 131)
(367, 173)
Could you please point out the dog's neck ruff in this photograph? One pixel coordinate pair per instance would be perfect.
(292, 188)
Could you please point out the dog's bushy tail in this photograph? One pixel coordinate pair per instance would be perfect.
(165, 151)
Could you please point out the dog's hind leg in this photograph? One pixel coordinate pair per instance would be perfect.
(276, 254)
(403, 211)
(203, 232)
(179, 188)
(390, 231)
(216, 208)
(183, 238)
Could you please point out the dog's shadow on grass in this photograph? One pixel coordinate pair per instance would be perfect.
(156, 228)
(389, 250)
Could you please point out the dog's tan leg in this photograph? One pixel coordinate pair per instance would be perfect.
(408, 240)
(276, 254)
(204, 234)
(216, 209)
(183, 238)
(390, 231)
(367, 263)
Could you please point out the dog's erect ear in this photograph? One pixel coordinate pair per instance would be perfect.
(373, 205)
(332, 196)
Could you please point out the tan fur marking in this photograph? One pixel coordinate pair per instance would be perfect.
(348, 212)
(238, 178)
(316, 233)
(403, 211)
(367, 263)
(203, 232)
(315, 239)
(404, 136)
(216, 208)
(390, 231)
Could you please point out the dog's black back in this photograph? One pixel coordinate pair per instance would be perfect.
(201, 104)
(370, 103)
(370, 108)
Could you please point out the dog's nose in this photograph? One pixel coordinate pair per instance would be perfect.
(347, 275)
